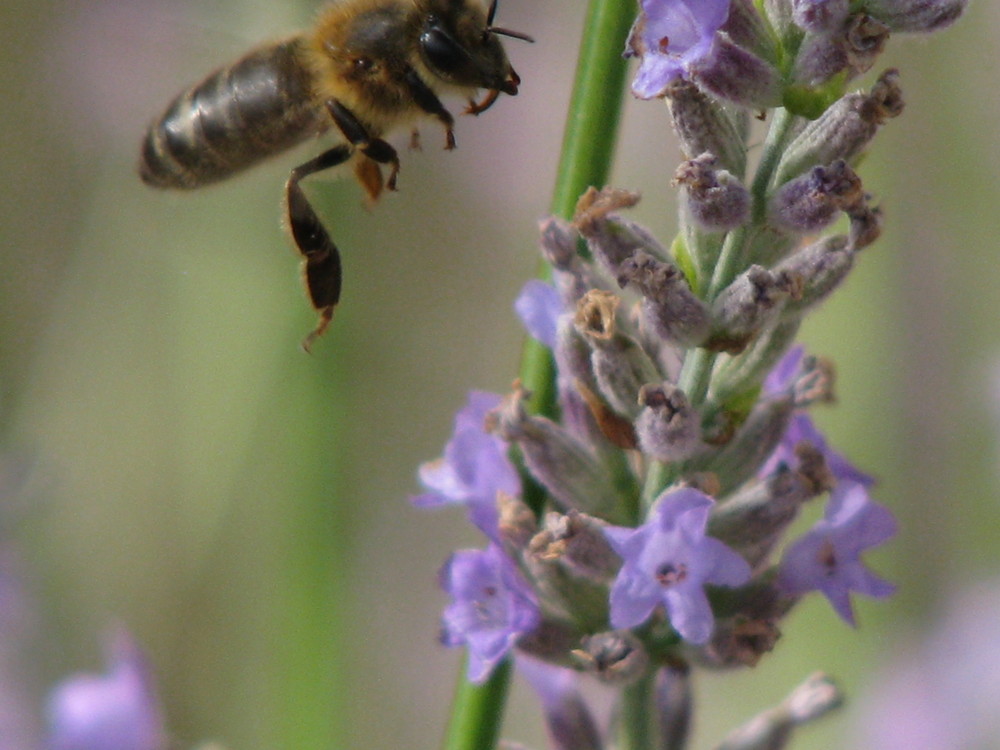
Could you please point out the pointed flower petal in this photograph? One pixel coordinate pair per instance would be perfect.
(667, 561)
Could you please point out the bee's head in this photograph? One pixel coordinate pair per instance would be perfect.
(460, 44)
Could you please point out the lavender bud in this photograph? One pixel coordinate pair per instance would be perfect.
(822, 267)
(517, 524)
(558, 241)
(821, 56)
(564, 466)
(738, 375)
(611, 240)
(568, 595)
(551, 641)
(577, 542)
(571, 276)
(753, 520)
(673, 704)
(810, 202)
(669, 308)
(737, 75)
(826, 15)
(744, 308)
(865, 226)
(616, 657)
(753, 443)
(773, 729)
(703, 125)
(916, 15)
(843, 130)
(572, 355)
(747, 28)
(741, 641)
(780, 13)
(668, 428)
(852, 46)
(616, 429)
(619, 364)
(716, 200)
(865, 39)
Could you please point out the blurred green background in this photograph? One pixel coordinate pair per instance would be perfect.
(241, 507)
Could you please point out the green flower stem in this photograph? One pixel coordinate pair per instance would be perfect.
(773, 148)
(696, 373)
(588, 146)
(478, 711)
(637, 730)
(592, 124)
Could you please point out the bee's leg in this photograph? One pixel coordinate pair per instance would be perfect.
(428, 101)
(374, 148)
(320, 257)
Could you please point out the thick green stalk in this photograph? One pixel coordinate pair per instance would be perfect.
(588, 145)
(637, 729)
(478, 711)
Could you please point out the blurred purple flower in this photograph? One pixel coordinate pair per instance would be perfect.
(117, 710)
(474, 467)
(492, 606)
(669, 36)
(668, 560)
(570, 723)
(539, 307)
(828, 557)
(944, 693)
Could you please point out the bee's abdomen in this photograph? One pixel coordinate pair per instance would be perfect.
(238, 116)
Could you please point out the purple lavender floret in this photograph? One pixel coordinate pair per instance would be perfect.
(669, 37)
(474, 468)
(492, 606)
(828, 557)
(802, 428)
(117, 710)
(782, 376)
(539, 307)
(667, 561)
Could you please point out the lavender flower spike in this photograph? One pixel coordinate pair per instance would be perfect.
(474, 468)
(492, 606)
(669, 36)
(113, 711)
(828, 557)
(668, 560)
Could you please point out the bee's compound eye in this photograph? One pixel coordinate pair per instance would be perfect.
(442, 52)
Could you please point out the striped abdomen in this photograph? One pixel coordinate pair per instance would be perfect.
(238, 116)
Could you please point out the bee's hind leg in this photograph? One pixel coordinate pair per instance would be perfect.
(374, 148)
(321, 260)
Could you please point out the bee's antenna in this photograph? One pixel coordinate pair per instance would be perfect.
(490, 28)
(508, 32)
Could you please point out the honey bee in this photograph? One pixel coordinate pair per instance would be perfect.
(367, 67)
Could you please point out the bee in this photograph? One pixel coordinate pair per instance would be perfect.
(366, 68)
